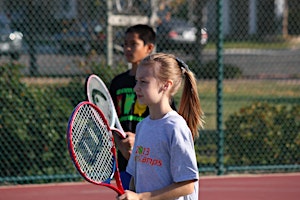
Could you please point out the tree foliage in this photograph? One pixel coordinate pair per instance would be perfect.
(263, 134)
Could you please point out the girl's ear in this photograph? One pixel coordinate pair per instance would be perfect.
(167, 85)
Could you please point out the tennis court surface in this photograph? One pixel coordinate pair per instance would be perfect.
(250, 187)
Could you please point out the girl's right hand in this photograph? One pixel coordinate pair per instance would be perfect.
(128, 195)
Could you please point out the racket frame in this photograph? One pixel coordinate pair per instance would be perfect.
(103, 89)
(116, 174)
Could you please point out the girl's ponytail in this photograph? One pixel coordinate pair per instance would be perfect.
(190, 107)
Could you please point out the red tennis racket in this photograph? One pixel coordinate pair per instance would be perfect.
(91, 146)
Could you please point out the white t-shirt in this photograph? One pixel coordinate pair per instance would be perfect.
(163, 153)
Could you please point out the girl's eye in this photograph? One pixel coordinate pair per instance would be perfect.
(140, 82)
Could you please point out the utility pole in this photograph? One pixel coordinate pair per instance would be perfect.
(285, 23)
(197, 12)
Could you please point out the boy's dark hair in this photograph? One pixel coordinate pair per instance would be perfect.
(146, 33)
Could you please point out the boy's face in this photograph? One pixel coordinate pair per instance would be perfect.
(134, 48)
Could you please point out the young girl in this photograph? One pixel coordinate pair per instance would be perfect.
(163, 162)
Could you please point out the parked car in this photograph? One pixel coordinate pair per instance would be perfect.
(10, 41)
(81, 38)
(179, 34)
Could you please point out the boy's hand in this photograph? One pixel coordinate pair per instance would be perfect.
(125, 145)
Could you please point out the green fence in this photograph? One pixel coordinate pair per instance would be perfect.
(245, 55)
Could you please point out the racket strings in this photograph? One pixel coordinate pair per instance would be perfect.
(99, 95)
(93, 145)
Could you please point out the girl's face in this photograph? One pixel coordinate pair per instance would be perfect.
(148, 88)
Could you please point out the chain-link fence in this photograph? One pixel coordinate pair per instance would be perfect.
(48, 47)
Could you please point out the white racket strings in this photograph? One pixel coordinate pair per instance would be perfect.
(93, 145)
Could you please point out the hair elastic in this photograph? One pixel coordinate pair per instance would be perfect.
(184, 67)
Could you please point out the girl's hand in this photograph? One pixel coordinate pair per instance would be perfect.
(129, 195)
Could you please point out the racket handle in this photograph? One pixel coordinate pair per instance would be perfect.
(119, 183)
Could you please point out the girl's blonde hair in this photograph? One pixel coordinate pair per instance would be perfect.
(169, 67)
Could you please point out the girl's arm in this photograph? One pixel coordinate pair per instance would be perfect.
(172, 191)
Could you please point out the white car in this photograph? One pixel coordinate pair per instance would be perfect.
(10, 41)
(179, 34)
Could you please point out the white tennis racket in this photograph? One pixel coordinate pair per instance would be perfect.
(91, 146)
(98, 94)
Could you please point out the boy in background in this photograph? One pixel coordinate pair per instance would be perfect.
(139, 42)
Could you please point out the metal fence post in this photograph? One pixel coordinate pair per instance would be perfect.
(109, 33)
(220, 162)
